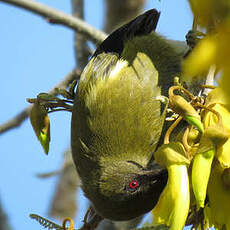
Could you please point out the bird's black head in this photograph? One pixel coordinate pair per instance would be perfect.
(126, 190)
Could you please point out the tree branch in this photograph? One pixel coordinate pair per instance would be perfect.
(64, 200)
(4, 223)
(58, 17)
(15, 121)
(23, 115)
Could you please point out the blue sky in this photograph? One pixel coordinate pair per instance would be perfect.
(34, 57)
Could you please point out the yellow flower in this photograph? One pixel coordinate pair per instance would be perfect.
(217, 103)
(208, 12)
(201, 170)
(218, 191)
(201, 58)
(219, 198)
(173, 205)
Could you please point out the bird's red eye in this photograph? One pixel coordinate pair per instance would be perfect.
(133, 184)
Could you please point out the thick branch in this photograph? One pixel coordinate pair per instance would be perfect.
(58, 17)
(20, 117)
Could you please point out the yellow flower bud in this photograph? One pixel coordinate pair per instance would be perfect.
(186, 110)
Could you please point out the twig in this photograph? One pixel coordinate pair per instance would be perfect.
(15, 121)
(82, 51)
(23, 115)
(58, 17)
(64, 199)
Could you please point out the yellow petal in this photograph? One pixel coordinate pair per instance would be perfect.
(217, 128)
(216, 96)
(201, 170)
(210, 119)
(201, 58)
(223, 33)
(223, 154)
(219, 198)
(173, 205)
(225, 84)
(202, 11)
(172, 153)
(208, 12)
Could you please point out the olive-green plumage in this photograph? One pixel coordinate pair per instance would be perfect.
(118, 117)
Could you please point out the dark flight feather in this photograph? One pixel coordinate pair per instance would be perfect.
(142, 25)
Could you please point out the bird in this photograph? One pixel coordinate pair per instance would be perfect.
(118, 116)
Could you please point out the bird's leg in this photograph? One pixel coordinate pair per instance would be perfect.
(68, 94)
(193, 37)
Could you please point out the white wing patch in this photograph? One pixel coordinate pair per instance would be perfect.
(94, 89)
(118, 67)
